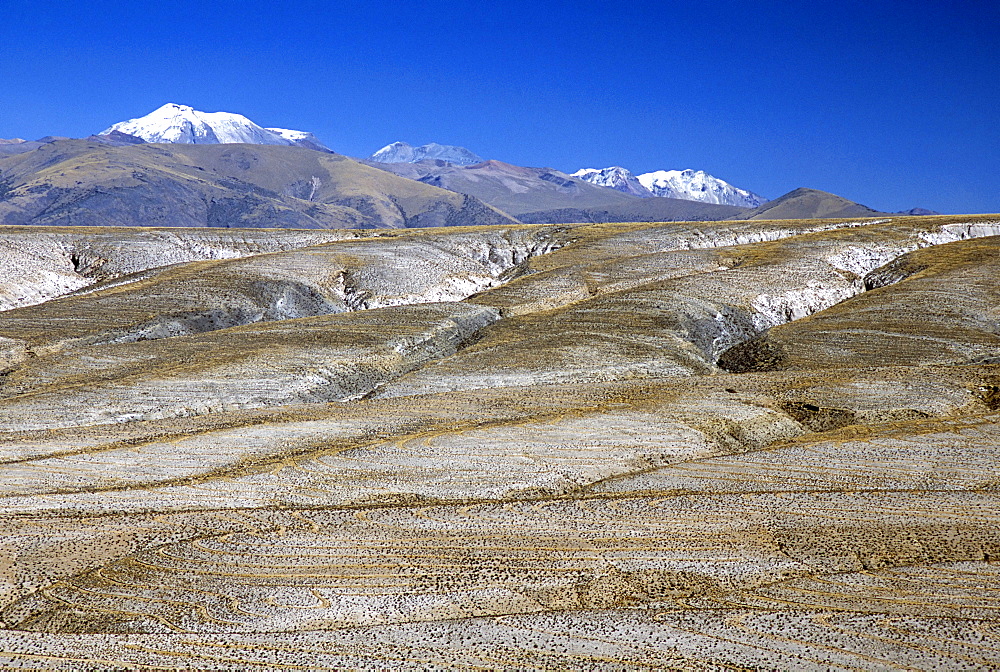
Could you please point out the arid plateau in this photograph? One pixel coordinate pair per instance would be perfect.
(758, 444)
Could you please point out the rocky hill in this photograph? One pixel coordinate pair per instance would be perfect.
(805, 203)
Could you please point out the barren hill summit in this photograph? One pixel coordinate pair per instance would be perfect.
(803, 203)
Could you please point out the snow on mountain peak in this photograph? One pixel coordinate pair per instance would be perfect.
(614, 177)
(402, 152)
(697, 185)
(289, 134)
(688, 185)
(184, 124)
(300, 138)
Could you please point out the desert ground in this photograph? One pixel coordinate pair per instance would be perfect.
(712, 445)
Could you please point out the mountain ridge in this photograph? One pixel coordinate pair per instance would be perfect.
(697, 185)
(536, 194)
(402, 152)
(614, 177)
(688, 185)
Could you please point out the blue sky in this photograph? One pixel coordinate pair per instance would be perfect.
(892, 104)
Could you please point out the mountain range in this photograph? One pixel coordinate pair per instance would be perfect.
(548, 196)
(178, 166)
(97, 183)
(688, 185)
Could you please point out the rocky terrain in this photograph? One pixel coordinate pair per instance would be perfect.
(765, 444)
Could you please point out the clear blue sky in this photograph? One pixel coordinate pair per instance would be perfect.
(892, 104)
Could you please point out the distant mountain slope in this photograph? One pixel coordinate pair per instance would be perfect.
(615, 177)
(18, 146)
(401, 152)
(805, 203)
(544, 195)
(697, 185)
(513, 189)
(918, 212)
(8, 148)
(88, 183)
(116, 138)
(640, 210)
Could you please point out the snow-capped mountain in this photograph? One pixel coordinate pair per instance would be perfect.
(614, 177)
(301, 138)
(688, 185)
(401, 152)
(290, 135)
(184, 124)
(697, 185)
